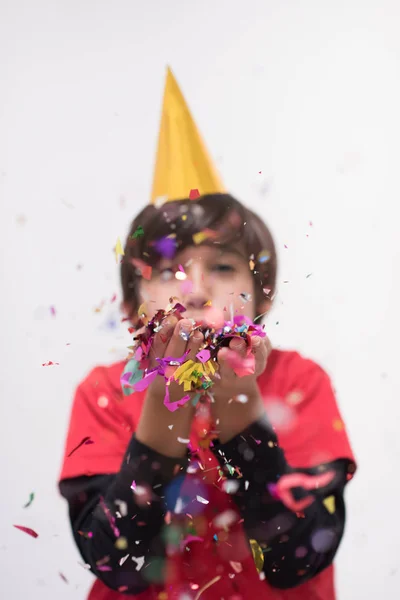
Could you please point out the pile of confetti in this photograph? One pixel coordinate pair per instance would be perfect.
(194, 375)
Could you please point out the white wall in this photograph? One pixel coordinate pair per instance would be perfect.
(308, 92)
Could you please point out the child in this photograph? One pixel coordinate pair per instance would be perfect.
(235, 499)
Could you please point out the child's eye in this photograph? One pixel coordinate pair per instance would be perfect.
(224, 268)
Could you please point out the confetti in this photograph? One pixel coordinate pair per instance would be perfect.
(119, 251)
(143, 268)
(206, 586)
(31, 499)
(258, 554)
(121, 543)
(322, 540)
(194, 194)
(139, 560)
(183, 440)
(86, 441)
(166, 246)
(202, 500)
(203, 355)
(138, 233)
(27, 530)
(63, 577)
(338, 425)
(102, 401)
(49, 364)
(246, 297)
(53, 311)
(199, 237)
(264, 256)
(242, 398)
(309, 482)
(330, 504)
(236, 566)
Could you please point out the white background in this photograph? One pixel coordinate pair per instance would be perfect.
(308, 93)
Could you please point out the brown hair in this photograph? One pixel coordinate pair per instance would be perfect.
(221, 213)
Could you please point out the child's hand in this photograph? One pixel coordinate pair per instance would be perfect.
(154, 428)
(237, 399)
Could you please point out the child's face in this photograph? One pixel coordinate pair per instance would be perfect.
(213, 273)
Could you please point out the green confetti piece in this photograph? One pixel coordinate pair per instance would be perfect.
(31, 499)
(138, 233)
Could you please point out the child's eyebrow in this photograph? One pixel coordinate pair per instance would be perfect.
(227, 249)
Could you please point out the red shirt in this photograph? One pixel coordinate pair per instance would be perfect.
(301, 405)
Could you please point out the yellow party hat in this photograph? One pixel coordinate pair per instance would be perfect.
(182, 160)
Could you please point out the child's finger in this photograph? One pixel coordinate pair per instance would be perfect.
(238, 345)
(161, 340)
(224, 370)
(195, 341)
(179, 339)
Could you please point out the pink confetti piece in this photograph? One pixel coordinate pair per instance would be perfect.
(86, 441)
(146, 381)
(173, 406)
(110, 518)
(50, 364)
(203, 355)
(308, 482)
(27, 530)
(190, 538)
(241, 366)
(53, 311)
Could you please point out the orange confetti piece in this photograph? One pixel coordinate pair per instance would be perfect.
(338, 425)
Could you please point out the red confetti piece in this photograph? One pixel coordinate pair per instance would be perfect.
(49, 364)
(86, 441)
(113, 299)
(27, 530)
(193, 194)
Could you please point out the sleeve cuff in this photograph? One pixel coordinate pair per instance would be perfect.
(254, 454)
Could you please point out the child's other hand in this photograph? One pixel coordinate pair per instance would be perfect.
(238, 402)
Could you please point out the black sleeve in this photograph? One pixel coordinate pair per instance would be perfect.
(118, 518)
(294, 546)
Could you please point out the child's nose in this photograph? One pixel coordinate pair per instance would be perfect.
(200, 291)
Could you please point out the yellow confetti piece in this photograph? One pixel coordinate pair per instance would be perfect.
(184, 217)
(258, 555)
(119, 251)
(199, 237)
(251, 265)
(208, 303)
(121, 543)
(330, 504)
